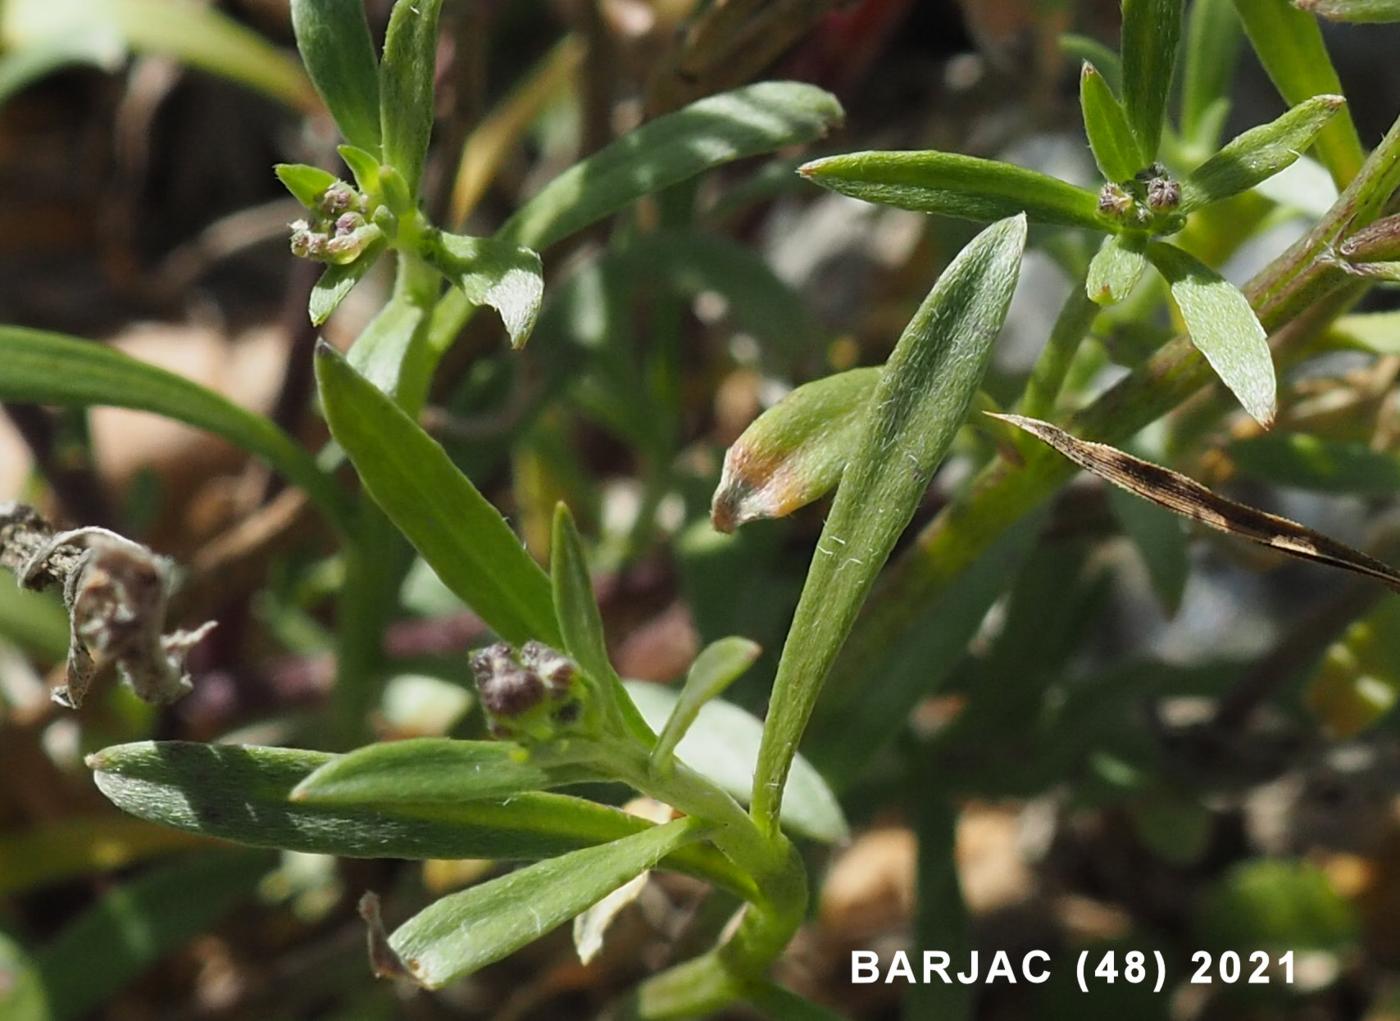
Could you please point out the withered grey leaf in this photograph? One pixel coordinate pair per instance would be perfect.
(1189, 498)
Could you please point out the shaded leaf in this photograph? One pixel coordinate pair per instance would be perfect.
(1115, 149)
(1223, 327)
(463, 932)
(1278, 905)
(723, 743)
(50, 852)
(1189, 498)
(506, 276)
(48, 368)
(1308, 462)
(954, 185)
(719, 665)
(427, 770)
(712, 131)
(1151, 31)
(794, 452)
(1116, 268)
(1213, 37)
(333, 38)
(1160, 542)
(1358, 681)
(461, 536)
(338, 281)
(406, 86)
(21, 989)
(1086, 49)
(1258, 154)
(918, 406)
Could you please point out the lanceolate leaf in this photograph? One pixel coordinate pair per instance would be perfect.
(722, 744)
(460, 933)
(506, 276)
(1258, 154)
(307, 184)
(48, 368)
(955, 185)
(432, 769)
(1290, 46)
(1116, 268)
(1189, 498)
(462, 537)
(240, 793)
(1151, 30)
(712, 131)
(406, 86)
(919, 404)
(338, 281)
(1115, 149)
(794, 452)
(1223, 327)
(333, 38)
(718, 666)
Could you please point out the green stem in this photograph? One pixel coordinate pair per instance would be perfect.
(1048, 374)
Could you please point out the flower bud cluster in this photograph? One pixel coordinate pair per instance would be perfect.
(1147, 202)
(535, 692)
(340, 231)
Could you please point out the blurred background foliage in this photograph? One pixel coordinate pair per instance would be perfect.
(1127, 733)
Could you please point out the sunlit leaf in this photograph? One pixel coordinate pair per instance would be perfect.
(406, 86)
(337, 281)
(1116, 268)
(506, 276)
(1115, 148)
(1151, 30)
(718, 666)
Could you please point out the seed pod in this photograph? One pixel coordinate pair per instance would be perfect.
(794, 452)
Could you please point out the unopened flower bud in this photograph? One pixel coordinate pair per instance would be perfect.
(1163, 194)
(337, 199)
(346, 248)
(507, 689)
(536, 693)
(1114, 201)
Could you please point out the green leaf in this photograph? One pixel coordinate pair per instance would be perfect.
(1276, 905)
(794, 452)
(1151, 31)
(110, 944)
(1160, 541)
(34, 621)
(1212, 49)
(1357, 683)
(918, 406)
(191, 33)
(723, 743)
(506, 276)
(1116, 268)
(406, 101)
(306, 183)
(712, 131)
(1307, 462)
(461, 536)
(718, 666)
(364, 165)
(432, 769)
(83, 845)
(338, 281)
(21, 989)
(391, 352)
(48, 368)
(1258, 154)
(954, 185)
(1357, 11)
(1290, 46)
(22, 65)
(1369, 331)
(1223, 327)
(1115, 149)
(463, 932)
(241, 792)
(335, 45)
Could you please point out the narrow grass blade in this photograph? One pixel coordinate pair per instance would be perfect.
(406, 86)
(1189, 498)
(1116, 268)
(723, 745)
(1223, 327)
(240, 793)
(427, 770)
(136, 924)
(1151, 31)
(1115, 148)
(1290, 46)
(1258, 154)
(718, 666)
(955, 185)
(1308, 462)
(463, 932)
(48, 368)
(794, 452)
(506, 276)
(333, 38)
(920, 402)
(461, 536)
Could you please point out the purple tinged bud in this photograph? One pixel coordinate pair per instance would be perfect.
(553, 666)
(1163, 194)
(1114, 201)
